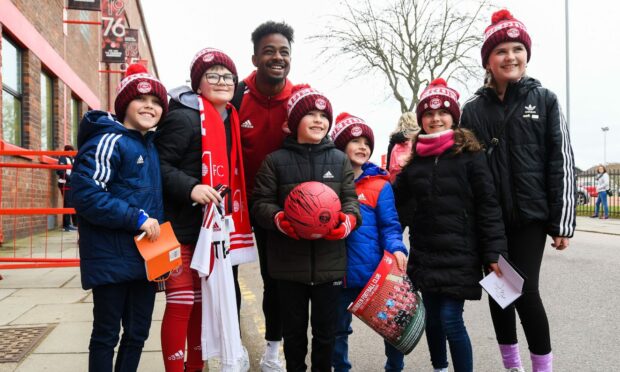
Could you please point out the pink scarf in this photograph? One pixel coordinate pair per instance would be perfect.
(434, 144)
(215, 170)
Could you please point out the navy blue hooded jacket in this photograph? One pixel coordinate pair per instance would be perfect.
(115, 177)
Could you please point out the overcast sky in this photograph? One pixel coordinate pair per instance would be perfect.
(179, 29)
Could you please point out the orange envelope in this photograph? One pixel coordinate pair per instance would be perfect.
(161, 256)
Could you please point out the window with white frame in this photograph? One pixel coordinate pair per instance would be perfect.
(76, 113)
(47, 112)
(11, 92)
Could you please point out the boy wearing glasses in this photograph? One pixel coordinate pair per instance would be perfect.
(262, 114)
(201, 121)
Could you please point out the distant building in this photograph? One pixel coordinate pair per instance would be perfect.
(50, 77)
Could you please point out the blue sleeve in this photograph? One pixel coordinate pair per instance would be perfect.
(97, 164)
(390, 231)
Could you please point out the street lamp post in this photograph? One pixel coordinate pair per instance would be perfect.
(566, 29)
(605, 130)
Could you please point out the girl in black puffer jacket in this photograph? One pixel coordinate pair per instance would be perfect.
(456, 225)
(531, 159)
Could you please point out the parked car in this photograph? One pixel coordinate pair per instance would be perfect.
(590, 187)
(583, 196)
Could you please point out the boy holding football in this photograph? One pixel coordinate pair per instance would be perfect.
(308, 271)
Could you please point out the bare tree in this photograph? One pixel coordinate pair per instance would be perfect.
(410, 42)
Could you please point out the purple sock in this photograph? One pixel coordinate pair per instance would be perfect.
(510, 355)
(542, 363)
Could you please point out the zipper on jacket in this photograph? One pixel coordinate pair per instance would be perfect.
(433, 188)
(515, 215)
(312, 247)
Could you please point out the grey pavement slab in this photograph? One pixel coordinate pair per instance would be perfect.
(160, 306)
(5, 292)
(597, 225)
(64, 362)
(50, 295)
(8, 367)
(66, 338)
(74, 282)
(37, 278)
(153, 343)
(13, 309)
(56, 313)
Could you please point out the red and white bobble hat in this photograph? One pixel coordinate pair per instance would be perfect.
(348, 127)
(438, 95)
(204, 60)
(138, 82)
(504, 28)
(303, 100)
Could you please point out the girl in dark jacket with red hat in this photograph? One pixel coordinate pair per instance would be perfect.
(530, 155)
(456, 227)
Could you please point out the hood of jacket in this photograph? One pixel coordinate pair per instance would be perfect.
(95, 122)
(372, 170)
(183, 96)
(284, 95)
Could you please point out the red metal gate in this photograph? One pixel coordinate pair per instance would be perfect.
(27, 193)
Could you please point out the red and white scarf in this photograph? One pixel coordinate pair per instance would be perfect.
(215, 170)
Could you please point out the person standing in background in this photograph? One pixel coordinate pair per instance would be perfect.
(602, 186)
(406, 128)
(69, 221)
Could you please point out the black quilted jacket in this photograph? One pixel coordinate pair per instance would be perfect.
(533, 163)
(456, 224)
(305, 261)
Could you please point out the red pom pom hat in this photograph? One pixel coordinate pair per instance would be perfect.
(504, 28)
(438, 95)
(138, 82)
(204, 60)
(348, 127)
(304, 99)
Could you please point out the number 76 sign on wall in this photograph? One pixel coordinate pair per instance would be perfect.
(113, 27)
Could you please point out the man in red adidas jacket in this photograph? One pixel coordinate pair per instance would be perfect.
(262, 114)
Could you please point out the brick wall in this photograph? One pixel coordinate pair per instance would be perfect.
(81, 49)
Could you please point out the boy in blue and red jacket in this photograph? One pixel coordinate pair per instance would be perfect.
(380, 231)
(116, 185)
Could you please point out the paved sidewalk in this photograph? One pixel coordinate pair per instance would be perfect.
(597, 225)
(53, 298)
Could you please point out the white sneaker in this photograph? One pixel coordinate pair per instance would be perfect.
(244, 361)
(271, 365)
(242, 364)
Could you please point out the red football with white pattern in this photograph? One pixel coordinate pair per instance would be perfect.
(312, 208)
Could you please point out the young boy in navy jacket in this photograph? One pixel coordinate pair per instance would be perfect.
(117, 194)
(379, 232)
(308, 271)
